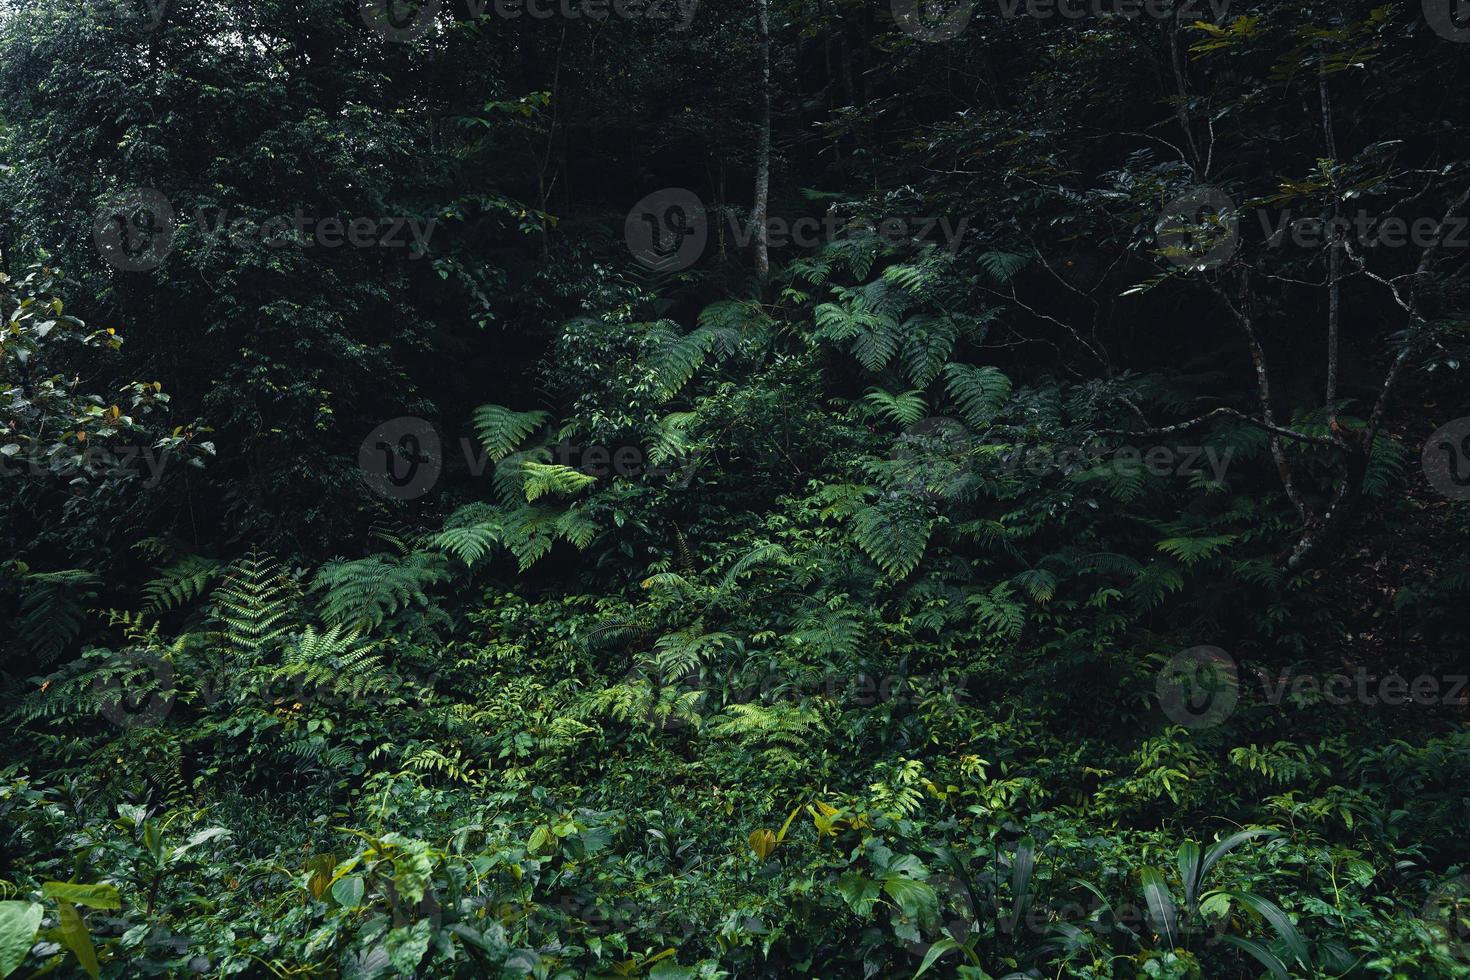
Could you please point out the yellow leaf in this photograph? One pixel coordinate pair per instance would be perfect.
(763, 842)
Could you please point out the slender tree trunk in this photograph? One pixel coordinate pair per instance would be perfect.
(759, 214)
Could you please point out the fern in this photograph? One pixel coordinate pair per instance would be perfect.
(979, 392)
(362, 594)
(1000, 615)
(541, 479)
(928, 343)
(253, 607)
(1190, 551)
(903, 409)
(1003, 266)
(181, 583)
(675, 357)
(52, 606)
(501, 430)
(893, 536)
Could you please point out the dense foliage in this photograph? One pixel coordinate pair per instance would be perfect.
(1021, 540)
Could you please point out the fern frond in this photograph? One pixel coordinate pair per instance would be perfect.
(902, 409)
(891, 535)
(978, 392)
(501, 430)
(540, 479)
(180, 583)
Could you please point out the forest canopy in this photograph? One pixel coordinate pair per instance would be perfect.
(734, 488)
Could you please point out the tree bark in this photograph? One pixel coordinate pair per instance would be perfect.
(760, 211)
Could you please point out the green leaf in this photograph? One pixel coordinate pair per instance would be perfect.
(1160, 905)
(1263, 955)
(92, 896)
(916, 899)
(407, 946)
(18, 923)
(979, 392)
(1189, 872)
(1022, 865)
(669, 970)
(938, 949)
(1224, 847)
(348, 892)
(72, 932)
(1279, 921)
(859, 891)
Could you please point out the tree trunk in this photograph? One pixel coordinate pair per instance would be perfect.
(759, 213)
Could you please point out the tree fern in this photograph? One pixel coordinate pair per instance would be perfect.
(52, 610)
(927, 345)
(541, 479)
(180, 583)
(253, 607)
(501, 430)
(998, 613)
(892, 535)
(674, 357)
(1003, 266)
(979, 392)
(902, 409)
(363, 593)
